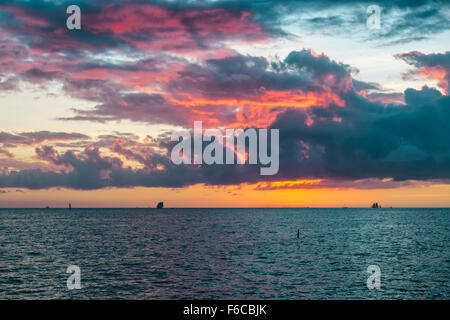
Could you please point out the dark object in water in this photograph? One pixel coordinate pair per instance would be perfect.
(160, 205)
(298, 233)
(70, 206)
(47, 207)
(375, 205)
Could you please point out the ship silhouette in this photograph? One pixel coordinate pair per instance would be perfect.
(160, 205)
(375, 205)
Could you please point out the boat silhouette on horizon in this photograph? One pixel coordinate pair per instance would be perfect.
(375, 205)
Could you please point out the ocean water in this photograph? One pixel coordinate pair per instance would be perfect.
(225, 253)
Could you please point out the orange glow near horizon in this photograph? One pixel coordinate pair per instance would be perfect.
(289, 184)
(230, 196)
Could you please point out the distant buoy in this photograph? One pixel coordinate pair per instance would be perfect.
(70, 206)
(298, 233)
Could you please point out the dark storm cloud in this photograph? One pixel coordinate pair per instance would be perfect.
(125, 25)
(139, 107)
(364, 140)
(370, 140)
(89, 170)
(38, 24)
(215, 84)
(434, 65)
(355, 139)
(204, 23)
(419, 59)
(243, 76)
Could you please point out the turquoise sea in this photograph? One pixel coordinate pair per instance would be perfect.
(225, 253)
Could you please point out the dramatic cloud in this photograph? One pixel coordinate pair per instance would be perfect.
(32, 138)
(170, 63)
(10, 141)
(229, 91)
(434, 66)
(128, 25)
(369, 140)
(363, 140)
(155, 27)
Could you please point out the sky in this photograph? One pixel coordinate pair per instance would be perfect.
(86, 114)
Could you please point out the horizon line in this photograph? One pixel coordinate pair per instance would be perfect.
(307, 207)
